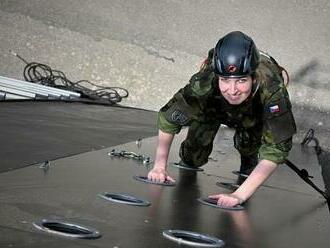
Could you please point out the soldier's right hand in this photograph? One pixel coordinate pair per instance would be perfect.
(159, 175)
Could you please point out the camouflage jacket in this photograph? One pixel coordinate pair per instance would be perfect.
(268, 108)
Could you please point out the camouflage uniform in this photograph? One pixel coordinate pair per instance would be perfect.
(264, 122)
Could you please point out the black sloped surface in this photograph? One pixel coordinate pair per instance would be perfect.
(32, 132)
(278, 215)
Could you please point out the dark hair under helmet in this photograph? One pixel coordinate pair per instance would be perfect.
(235, 55)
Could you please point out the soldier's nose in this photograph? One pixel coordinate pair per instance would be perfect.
(232, 88)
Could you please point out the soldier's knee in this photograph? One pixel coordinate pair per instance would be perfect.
(195, 156)
(247, 143)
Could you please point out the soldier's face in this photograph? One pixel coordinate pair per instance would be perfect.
(235, 90)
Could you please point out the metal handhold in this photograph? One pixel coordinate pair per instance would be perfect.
(192, 238)
(146, 180)
(125, 199)
(213, 203)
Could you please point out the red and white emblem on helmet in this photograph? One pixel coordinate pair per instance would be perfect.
(231, 68)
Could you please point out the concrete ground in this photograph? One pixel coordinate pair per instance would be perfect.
(152, 47)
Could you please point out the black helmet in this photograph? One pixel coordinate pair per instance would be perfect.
(235, 55)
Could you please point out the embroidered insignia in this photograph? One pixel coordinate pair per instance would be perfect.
(179, 117)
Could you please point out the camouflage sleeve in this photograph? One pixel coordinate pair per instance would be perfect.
(275, 152)
(166, 126)
(278, 121)
(178, 112)
(188, 103)
(279, 127)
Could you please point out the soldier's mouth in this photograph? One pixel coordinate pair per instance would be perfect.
(233, 98)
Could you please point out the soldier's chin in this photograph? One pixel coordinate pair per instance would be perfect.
(234, 101)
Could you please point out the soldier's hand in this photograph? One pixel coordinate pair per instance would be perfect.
(159, 175)
(227, 200)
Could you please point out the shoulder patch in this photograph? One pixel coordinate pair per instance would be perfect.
(279, 121)
(179, 117)
(276, 107)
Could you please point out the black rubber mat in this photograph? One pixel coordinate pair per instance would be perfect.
(32, 132)
(284, 212)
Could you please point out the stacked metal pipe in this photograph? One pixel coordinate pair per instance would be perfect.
(13, 89)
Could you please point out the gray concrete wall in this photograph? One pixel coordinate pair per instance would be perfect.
(152, 47)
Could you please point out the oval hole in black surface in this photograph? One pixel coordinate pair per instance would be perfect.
(67, 229)
(125, 199)
(193, 238)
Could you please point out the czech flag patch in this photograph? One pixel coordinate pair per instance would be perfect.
(274, 109)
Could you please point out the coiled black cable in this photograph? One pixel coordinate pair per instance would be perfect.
(43, 74)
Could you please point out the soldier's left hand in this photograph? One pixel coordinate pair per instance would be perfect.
(226, 200)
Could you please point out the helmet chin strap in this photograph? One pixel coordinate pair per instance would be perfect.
(256, 87)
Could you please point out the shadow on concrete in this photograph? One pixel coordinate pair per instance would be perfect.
(314, 75)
